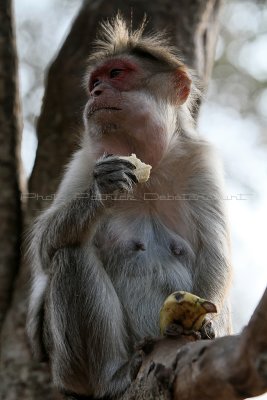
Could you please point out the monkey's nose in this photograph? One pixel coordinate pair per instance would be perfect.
(96, 92)
(100, 88)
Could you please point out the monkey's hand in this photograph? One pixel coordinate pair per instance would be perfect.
(112, 173)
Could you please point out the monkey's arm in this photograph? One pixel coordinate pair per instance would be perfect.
(212, 270)
(64, 225)
(67, 221)
(212, 273)
(212, 279)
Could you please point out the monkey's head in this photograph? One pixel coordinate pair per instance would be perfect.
(136, 85)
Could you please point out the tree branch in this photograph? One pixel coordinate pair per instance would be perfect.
(227, 368)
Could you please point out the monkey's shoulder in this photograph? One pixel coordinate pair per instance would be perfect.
(195, 153)
(191, 164)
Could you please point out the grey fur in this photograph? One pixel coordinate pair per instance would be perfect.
(102, 266)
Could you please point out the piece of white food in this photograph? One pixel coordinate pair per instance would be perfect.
(142, 171)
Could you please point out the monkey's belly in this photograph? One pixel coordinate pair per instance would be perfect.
(145, 263)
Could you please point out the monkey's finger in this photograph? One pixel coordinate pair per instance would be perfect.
(111, 158)
(119, 180)
(127, 179)
(132, 177)
(112, 163)
(120, 161)
(105, 169)
(125, 184)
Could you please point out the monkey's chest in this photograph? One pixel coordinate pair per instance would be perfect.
(146, 262)
(132, 238)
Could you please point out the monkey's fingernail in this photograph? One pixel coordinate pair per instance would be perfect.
(132, 177)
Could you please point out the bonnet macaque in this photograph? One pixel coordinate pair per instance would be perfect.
(110, 249)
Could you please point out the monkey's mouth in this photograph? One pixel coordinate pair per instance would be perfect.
(93, 110)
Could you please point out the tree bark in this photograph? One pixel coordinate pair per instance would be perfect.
(192, 25)
(10, 167)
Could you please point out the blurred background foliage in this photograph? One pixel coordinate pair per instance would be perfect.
(233, 117)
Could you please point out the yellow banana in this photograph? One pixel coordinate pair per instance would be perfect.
(186, 310)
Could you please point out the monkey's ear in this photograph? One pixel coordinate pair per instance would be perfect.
(182, 84)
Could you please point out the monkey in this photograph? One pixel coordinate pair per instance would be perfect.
(109, 250)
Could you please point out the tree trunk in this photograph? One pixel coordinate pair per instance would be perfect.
(192, 25)
(10, 134)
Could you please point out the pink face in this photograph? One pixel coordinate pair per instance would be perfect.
(112, 78)
(121, 74)
(117, 106)
(123, 109)
(108, 87)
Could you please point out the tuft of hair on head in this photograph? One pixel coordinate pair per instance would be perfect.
(115, 38)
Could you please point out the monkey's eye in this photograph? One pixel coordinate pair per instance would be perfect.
(115, 72)
(95, 83)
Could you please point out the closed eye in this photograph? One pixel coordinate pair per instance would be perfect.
(115, 72)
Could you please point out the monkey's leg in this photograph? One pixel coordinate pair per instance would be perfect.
(87, 340)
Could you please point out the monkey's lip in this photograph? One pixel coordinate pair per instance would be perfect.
(101, 108)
